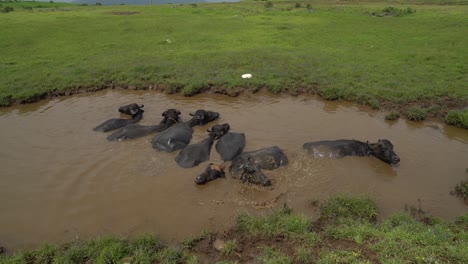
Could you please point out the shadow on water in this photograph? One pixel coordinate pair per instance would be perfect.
(62, 180)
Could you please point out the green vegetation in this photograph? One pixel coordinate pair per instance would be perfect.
(361, 208)
(347, 232)
(457, 118)
(393, 115)
(394, 11)
(416, 113)
(461, 190)
(337, 50)
(230, 247)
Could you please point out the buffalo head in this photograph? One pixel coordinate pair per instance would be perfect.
(252, 173)
(212, 172)
(202, 117)
(218, 131)
(131, 109)
(171, 115)
(383, 150)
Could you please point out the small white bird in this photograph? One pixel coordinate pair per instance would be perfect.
(247, 76)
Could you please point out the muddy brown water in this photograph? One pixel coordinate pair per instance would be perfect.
(60, 180)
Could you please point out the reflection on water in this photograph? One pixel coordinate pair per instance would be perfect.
(61, 180)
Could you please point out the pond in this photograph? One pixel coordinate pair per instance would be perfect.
(60, 180)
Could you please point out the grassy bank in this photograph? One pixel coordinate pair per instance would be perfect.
(346, 232)
(339, 49)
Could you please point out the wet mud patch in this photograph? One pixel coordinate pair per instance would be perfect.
(127, 13)
(250, 247)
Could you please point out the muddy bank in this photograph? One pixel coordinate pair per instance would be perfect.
(437, 108)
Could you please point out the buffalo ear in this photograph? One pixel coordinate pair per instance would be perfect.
(208, 130)
(142, 106)
(178, 112)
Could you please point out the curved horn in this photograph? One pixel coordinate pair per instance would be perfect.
(142, 106)
(164, 114)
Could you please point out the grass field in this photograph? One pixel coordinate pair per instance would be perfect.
(334, 48)
(346, 232)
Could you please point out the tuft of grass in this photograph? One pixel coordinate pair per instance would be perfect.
(113, 252)
(457, 118)
(281, 222)
(191, 241)
(343, 206)
(272, 256)
(332, 93)
(230, 247)
(352, 230)
(395, 11)
(341, 256)
(461, 190)
(303, 255)
(462, 222)
(169, 256)
(416, 113)
(393, 115)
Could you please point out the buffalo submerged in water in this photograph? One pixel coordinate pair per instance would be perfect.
(248, 166)
(382, 150)
(178, 136)
(132, 131)
(194, 154)
(134, 110)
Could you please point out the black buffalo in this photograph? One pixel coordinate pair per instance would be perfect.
(212, 172)
(230, 145)
(170, 117)
(248, 166)
(382, 150)
(194, 154)
(134, 110)
(178, 136)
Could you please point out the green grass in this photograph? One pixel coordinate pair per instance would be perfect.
(457, 118)
(338, 50)
(273, 256)
(343, 207)
(416, 113)
(341, 257)
(393, 115)
(282, 222)
(461, 189)
(230, 247)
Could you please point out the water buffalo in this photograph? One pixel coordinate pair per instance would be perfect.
(382, 150)
(248, 165)
(134, 110)
(178, 136)
(212, 172)
(171, 117)
(230, 145)
(194, 154)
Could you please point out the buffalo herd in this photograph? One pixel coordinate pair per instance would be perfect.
(174, 134)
